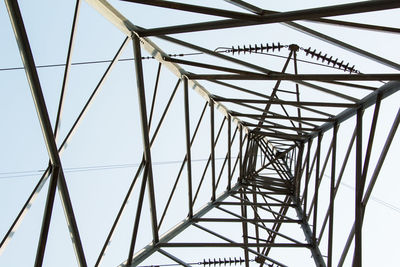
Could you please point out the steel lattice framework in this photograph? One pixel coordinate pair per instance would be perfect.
(277, 142)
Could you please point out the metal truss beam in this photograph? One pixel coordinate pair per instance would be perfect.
(41, 109)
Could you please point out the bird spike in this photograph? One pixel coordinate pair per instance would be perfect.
(335, 63)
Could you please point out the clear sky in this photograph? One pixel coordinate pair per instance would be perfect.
(102, 156)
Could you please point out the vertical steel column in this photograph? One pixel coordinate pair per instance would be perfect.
(357, 259)
(153, 102)
(41, 109)
(145, 132)
(371, 184)
(229, 151)
(47, 216)
(332, 195)
(188, 154)
(212, 148)
(244, 227)
(295, 48)
(67, 69)
(240, 152)
(316, 189)
(298, 171)
(307, 177)
(370, 141)
(138, 215)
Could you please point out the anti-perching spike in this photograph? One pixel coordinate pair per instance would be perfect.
(313, 53)
(273, 47)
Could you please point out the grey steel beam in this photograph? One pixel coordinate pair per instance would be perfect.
(188, 145)
(235, 245)
(41, 109)
(121, 210)
(370, 142)
(281, 117)
(321, 175)
(337, 10)
(260, 11)
(197, 9)
(47, 216)
(126, 26)
(353, 85)
(332, 197)
(138, 215)
(172, 257)
(317, 174)
(67, 68)
(338, 182)
(299, 77)
(357, 257)
(246, 6)
(212, 140)
(93, 96)
(153, 102)
(383, 92)
(181, 226)
(243, 209)
(295, 48)
(262, 225)
(135, 179)
(344, 45)
(327, 38)
(246, 220)
(328, 91)
(61, 148)
(362, 26)
(229, 152)
(28, 203)
(181, 169)
(241, 152)
(208, 66)
(371, 184)
(322, 36)
(145, 133)
(233, 242)
(208, 161)
(315, 251)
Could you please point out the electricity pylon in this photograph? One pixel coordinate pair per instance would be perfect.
(266, 197)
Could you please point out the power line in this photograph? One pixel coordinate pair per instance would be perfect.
(17, 174)
(20, 174)
(378, 200)
(226, 50)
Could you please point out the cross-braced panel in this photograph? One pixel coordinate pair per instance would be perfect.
(187, 147)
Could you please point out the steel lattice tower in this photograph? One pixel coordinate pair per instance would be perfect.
(276, 139)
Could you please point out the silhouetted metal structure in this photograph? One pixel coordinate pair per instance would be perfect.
(279, 142)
